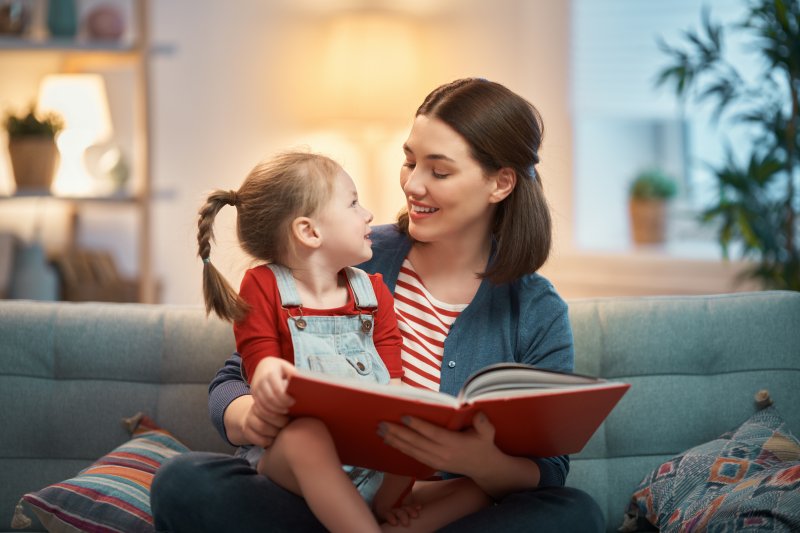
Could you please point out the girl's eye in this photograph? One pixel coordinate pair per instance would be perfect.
(354, 203)
(439, 176)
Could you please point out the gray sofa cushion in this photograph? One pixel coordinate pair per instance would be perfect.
(694, 365)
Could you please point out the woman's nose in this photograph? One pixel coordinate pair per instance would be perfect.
(412, 186)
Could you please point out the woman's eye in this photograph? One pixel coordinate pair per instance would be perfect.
(410, 165)
(439, 176)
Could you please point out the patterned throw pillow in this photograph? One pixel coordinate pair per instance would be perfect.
(747, 479)
(113, 494)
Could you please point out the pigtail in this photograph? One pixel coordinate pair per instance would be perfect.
(218, 294)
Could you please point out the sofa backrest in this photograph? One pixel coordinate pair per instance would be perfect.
(694, 365)
(70, 372)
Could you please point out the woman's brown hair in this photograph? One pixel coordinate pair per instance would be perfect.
(503, 130)
(272, 195)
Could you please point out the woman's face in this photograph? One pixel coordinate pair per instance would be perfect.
(447, 194)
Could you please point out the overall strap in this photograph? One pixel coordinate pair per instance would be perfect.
(288, 290)
(362, 288)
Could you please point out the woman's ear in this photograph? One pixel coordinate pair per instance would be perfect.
(305, 232)
(504, 182)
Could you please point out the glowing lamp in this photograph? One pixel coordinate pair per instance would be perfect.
(81, 99)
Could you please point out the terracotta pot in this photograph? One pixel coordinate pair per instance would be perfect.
(33, 160)
(648, 221)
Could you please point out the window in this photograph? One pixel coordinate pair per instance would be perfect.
(623, 123)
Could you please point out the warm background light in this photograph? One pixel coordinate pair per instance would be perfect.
(371, 68)
(358, 76)
(81, 99)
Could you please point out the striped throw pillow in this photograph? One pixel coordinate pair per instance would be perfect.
(113, 494)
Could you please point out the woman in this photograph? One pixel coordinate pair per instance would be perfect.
(461, 263)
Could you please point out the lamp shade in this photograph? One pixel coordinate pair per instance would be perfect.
(81, 100)
(370, 67)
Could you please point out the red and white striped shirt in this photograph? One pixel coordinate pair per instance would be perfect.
(424, 323)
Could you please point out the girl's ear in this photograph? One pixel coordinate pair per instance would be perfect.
(305, 232)
(504, 182)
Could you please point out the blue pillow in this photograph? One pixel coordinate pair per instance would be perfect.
(748, 478)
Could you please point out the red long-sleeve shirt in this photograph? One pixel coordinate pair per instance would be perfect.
(264, 331)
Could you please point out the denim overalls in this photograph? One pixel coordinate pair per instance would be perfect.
(338, 345)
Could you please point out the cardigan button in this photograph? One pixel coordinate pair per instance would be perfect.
(451, 364)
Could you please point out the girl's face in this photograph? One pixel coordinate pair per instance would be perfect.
(447, 193)
(344, 225)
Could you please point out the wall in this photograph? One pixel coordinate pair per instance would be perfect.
(229, 87)
(222, 100)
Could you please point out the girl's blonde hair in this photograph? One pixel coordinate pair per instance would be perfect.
(274, 193)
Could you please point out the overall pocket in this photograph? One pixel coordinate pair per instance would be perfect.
(345, 365)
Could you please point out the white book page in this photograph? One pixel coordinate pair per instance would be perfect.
(508, 377)
(397, 391)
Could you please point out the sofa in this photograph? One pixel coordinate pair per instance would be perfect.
(71, 372)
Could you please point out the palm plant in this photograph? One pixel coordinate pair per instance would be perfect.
(757, 204)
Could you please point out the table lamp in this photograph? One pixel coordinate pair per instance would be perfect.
(81, 99)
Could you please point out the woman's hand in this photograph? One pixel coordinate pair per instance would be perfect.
(471, 453)
(464, 453)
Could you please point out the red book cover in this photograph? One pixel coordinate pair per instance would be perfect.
(535, 412)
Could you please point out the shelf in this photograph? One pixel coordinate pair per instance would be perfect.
(115, 198)
(26, 44)
(79, 54)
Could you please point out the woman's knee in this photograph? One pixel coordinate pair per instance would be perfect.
(182, 479)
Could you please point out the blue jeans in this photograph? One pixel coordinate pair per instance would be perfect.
(202, 492)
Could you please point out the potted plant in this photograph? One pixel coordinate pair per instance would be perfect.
(32, 148)
(648, 196)
(758, 200)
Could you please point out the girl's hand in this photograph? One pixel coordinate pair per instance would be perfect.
(248, 423)
(468, 453)
(268, 385)
(264, 413)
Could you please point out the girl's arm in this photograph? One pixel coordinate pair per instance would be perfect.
(235, 414)
(386, 335)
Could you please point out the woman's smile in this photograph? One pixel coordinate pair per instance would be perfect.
(419, 211)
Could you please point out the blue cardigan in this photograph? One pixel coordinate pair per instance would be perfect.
(524, 321)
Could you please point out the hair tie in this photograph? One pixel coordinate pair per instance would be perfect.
(233, 198)
(206, 260)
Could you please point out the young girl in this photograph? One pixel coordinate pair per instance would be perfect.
(307, 308)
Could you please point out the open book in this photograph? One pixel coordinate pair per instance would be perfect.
(535, 412)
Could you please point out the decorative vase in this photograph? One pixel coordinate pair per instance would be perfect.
(33, 277)
(105, 23)
(33, 161)
(648, 220)
(62, 18)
